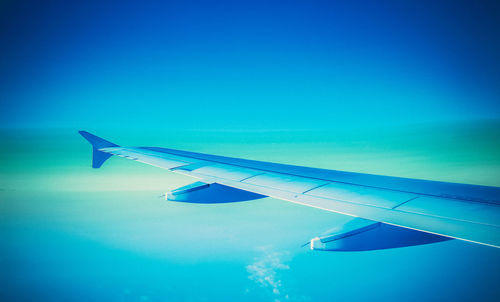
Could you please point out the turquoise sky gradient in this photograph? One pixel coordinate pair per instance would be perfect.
(258, 64)
(394, 88)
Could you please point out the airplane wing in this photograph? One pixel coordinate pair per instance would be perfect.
(387, 211)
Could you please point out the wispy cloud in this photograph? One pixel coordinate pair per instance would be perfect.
(265, 272)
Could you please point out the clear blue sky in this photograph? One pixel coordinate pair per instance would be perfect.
(248, 64)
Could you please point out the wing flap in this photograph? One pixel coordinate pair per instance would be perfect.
(227, 172)
(285, 182)
(363, 195)
(455, 209)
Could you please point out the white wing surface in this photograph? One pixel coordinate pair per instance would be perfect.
(461, 211)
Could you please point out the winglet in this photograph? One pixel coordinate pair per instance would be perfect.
(98, 157)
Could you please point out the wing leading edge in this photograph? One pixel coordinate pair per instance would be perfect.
(461, 211)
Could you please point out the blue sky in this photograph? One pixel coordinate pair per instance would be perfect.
(402, 88)
(248, 65)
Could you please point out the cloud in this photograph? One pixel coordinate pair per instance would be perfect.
(265, 272)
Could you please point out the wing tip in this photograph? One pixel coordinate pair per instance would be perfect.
(98, 157)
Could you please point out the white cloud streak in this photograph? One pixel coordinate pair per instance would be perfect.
(265, 272)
